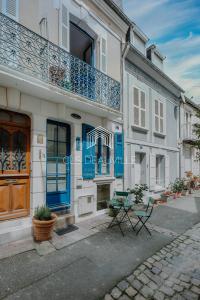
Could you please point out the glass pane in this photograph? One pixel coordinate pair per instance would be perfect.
(62, 133)
(156, 107)
(157, 123)
(51, 185)
(51, 149)
(142, 118)
(143, 100)
(19, 151)
(5, 163)
(52, 132)
(161, 125)
(62, 184)
(4, 116)
(51, 166)
(161, 109)
(62, 167)
(136, 97)
(136, 116)
(62, 149)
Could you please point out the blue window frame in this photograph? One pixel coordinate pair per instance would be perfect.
(58, 165)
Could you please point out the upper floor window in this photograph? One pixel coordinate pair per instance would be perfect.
(159, 116)
(139, 107)
(10, 8)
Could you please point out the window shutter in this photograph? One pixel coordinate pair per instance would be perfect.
(103, 54)
(10, 8)
(119, 154)
(152, 165)
(64, 27)
(88, 154)
(167, 179)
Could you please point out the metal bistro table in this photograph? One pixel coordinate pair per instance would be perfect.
(121, 204)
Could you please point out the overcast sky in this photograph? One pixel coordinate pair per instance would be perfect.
(173, 25)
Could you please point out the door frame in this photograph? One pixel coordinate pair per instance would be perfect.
(68, 175)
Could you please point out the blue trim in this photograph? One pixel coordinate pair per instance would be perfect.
(118, 155)
(88, 154)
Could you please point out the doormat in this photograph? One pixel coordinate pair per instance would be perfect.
(68, 229)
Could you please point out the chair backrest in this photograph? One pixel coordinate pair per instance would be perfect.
(121, 194)
(150, 205)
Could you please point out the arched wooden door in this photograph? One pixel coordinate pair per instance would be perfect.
(14, 165)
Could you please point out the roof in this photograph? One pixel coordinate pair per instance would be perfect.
(192, 103)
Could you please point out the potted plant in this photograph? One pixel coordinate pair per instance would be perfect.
(138, 192)
(165, 195)
(43, 223)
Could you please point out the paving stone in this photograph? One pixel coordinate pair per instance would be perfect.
(147, 264)
(123, 285)
(139, 297)
(156, 279)
(108, 297)
(146, 292)
(167, 290)
(188, 295)
(159, 296)
(143, 278)
(156, 270)
(130, 278)
(131, 292)
(136, 273)
(116, 293)
(151, 260)
(178, 297)
(142, 267)
(124, 297)
(148, 273)
(163, 275)
(178, 288)
(195, 282)
(169, 283)
(185, 284)
(156, 257)
(188, 241)
(152, 285)
(137, 284)
(195, 289)
(184, 278)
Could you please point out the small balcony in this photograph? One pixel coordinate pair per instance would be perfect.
(27, 52)
(188, 135)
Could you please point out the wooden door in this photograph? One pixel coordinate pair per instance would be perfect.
(14, 165)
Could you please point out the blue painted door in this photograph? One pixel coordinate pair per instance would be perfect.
(58, 165)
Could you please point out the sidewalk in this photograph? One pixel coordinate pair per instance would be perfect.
(87, 263)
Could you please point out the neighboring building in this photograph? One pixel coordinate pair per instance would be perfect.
(151, 103)
(189, 160)
(60, 77)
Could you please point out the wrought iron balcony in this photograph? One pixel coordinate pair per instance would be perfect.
(25, 51)
(188, 134)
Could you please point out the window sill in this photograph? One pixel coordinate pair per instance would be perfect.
(158, 134)
(103, 179)
(140, 129)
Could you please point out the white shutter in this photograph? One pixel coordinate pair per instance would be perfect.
(167, 179)
(152, 168)
(103, 55)
(64, 27)
(10, 8)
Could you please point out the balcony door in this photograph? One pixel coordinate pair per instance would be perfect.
(14, 165)
(58, 165)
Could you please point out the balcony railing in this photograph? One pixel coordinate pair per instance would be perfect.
(188, 132)
(25, 51)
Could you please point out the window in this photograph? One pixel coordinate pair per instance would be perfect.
(160, 170)
(103, 55)
(102, 159)
(139, 104)
(10, 8)
(159, 116)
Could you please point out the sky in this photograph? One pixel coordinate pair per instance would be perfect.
(174, 26)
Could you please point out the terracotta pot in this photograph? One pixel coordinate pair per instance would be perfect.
(42, 230)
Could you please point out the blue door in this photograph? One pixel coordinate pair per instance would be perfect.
(58, 165)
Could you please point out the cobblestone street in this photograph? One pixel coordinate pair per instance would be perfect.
(171, 273)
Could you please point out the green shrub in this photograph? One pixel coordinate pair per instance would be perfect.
(42, 213)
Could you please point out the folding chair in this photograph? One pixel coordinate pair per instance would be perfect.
(144, 215)
(122, 204)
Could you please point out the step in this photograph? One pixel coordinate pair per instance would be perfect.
(15, 222)
(12, 234)
(64, 220)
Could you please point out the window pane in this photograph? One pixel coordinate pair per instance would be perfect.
(62, 133)
(161, 125)
(51, 166)
(62, 167)
(161, 109)
(51, 185)
(62, 149)
(103, 62)
(62, 184)
(142, 118)
(136, 116)
(51, 149)
(143, 100)
(156, 123)
(52, 132)
(136, 97)
(156, 107)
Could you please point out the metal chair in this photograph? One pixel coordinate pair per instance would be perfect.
(144, 215)
(122, 204)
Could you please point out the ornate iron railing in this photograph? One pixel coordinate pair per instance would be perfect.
(25, 51)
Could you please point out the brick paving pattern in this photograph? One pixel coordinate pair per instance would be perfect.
(171, 273)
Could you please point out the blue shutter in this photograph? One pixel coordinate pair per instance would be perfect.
(119, 154)
(88, 154)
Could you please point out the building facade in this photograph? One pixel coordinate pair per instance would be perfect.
(59, 80)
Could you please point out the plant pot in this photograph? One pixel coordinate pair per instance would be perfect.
(42, 230)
